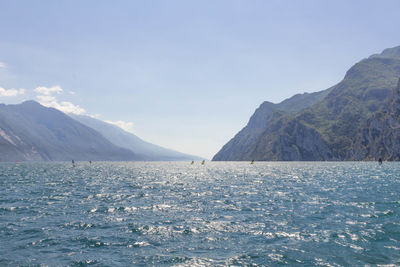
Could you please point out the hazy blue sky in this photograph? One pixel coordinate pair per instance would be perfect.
(186, 74)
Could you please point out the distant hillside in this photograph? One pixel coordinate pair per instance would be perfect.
(130, 141)
(32, 132)
(325, 128)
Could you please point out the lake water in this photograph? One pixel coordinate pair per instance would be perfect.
(219, 214)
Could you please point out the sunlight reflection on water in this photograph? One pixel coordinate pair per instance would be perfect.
(222, 213)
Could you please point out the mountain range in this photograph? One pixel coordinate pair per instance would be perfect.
(352, 120)
(32, 132)
(356, 119)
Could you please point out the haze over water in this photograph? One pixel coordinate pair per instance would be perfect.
(222, 213)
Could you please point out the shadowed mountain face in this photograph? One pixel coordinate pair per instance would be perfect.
(380, 135)
(130, 141)
(31, 132)
(323, 125)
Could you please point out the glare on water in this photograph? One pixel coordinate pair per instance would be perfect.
(219, 213)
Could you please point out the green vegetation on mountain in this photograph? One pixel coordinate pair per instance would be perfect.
(379, 137)
(324, 127)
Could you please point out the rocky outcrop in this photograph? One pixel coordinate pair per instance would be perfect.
(380, 136)
(294, 142)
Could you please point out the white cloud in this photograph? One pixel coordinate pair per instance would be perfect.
(11, 92)
(64, 106)
(48, 90)
(127, 126)
(68, 107)
(47, 99)
(2, 65)
(94, 116)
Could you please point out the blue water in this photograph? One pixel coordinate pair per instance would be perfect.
(219, 214)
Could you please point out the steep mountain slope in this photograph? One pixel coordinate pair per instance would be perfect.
(380, 137)
(238, 147)
(130, 141)
(326, 130)
(31, 132)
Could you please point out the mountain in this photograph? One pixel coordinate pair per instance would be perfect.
(380, 136)
(326, 127)
(32, 132)
(238, 147)
(130, 141)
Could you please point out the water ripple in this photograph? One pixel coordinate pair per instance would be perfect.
(219, 214)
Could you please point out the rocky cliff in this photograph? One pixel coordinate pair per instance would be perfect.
(327, 127)
(380, 136)
(240, 147)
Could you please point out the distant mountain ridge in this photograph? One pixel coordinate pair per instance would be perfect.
(326, 127)
(32, 132)
(121, 138)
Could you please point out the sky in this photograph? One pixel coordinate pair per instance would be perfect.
(182, 74)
